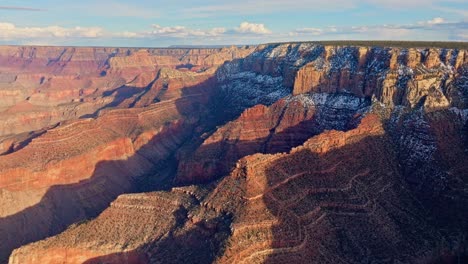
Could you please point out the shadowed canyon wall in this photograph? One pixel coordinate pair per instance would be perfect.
(305, 152)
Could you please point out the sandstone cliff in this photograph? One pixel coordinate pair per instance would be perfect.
(67, 83)
(324, 153)
(277, 128)
(71, 171)
(340, 196)
(435, 78)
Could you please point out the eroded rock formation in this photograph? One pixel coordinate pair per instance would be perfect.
(338, 197)
(41, 86)
(277, 128)
(71, 171)
(305, 152)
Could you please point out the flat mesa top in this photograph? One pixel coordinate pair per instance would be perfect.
(388, 43)
(364, 43)
(174, 47)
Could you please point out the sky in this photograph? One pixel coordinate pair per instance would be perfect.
(162, 23)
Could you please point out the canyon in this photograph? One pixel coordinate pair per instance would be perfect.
(298, 152)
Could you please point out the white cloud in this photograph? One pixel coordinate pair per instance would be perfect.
(434, 21)
(245, 32)
(311, 31)
(181, 31)
(178, 32)
(434, 29)
(251, 28)
(9, 31)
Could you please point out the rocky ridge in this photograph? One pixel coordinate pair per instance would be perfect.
(41, 86)
(374, 187)
(101, 157)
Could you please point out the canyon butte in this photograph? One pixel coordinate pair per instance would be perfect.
(331, 152)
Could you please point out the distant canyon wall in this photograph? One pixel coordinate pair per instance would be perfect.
(81, 125)
(41, 86)
(433, 77)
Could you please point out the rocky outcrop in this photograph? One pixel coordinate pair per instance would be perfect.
(338, 196)
(395, 76)
(277, 128)
(430, 147)
(322, 154)
(335, 190)
(69, 172)
(67, 83)
(167, 230)
(73, 171)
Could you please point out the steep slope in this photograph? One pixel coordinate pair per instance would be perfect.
(339, 198)
(41, 86)
(408, 78)
(386, 184)
(395, 76)
(59, 175)
(285, 124)
(73, 171)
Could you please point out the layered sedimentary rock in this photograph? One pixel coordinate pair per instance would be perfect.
(73, 171)
(339, 197)
(53, 177)
(170, 229)
(158, 214)
(41, 86)
(396, 76)
(277, 128)
(433, 77)
(361, 155)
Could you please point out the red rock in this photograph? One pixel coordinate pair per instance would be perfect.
(338, 188)
(67, 83)
(311, 196)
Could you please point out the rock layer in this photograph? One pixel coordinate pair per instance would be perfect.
(340, 196)
(71, 171)
(277, 128)
(377, 169)
(41, 86)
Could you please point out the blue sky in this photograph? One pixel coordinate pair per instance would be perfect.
(160, 23)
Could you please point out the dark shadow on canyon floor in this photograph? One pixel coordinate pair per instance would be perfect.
(365, 212)
(412, 226)
(352, 205)
(63, 205)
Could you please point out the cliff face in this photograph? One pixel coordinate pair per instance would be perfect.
(320, 153)
(435, 78)
(335, 190)
(72, 170)
(41, 86)
(395, 76)
(194, 238)
(338, 188)
(277, 128)
(117, 227)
